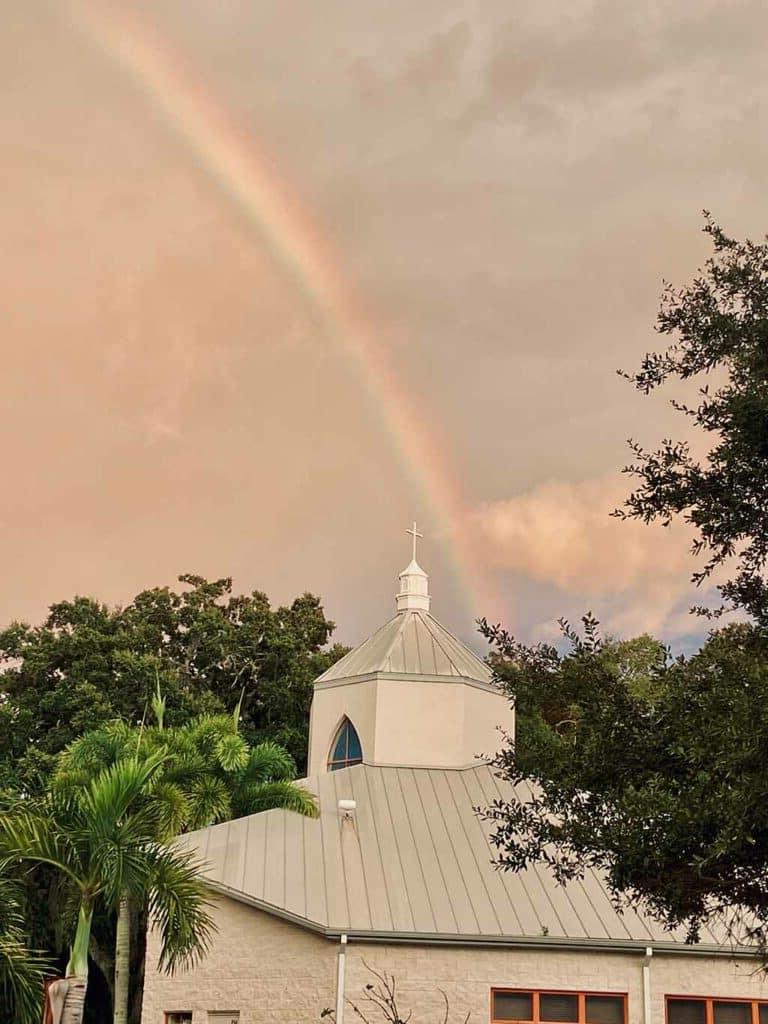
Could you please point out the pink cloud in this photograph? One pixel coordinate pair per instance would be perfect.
(634, 577)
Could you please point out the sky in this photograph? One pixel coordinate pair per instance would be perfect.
(281, 278)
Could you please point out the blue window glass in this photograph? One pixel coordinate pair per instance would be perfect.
(346, 749)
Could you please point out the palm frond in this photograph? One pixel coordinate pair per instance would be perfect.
(34, 837)
(269, 762)
(92, 752)
(207, 730)
(120, 864)
(115, 789)
(21, 978)
(252, 798)
(232, 752)
(21, 969)
(184, 765)
(210, 802)
(173, 809)
(179, 908)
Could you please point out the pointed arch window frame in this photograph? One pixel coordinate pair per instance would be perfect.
(346, 748)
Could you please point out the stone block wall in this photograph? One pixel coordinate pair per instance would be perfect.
(270, 971)
(267, 969)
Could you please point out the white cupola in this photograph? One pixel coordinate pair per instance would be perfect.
(414, 583)
(414, 589)
(411, 694)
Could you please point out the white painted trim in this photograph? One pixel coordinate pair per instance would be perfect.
(478, 684)
(659, 948)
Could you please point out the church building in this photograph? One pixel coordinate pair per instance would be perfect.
(396, 875)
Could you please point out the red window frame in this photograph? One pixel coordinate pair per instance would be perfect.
(536, 993)
(709, 1012)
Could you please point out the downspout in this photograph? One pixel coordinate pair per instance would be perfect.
(340, 965)
(646, 985)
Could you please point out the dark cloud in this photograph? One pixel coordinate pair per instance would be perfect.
(505, 185)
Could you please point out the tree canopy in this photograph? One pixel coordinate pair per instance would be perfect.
(662, 787)
(87, 664)
(206, 773)
(101, 841)
(650, 768)
(720, 328)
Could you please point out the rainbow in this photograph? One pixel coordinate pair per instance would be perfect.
(227, 154)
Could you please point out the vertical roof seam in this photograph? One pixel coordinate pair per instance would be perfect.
(536, 873)
(247, 844)
(355, 826)
(323, 844)
(455, 854)
(364, 776)
(342, 858)
(384, 786)
(510, 901)
(604, 889)
(472, 852)
(419, 660)
(434, 849)
(526, 888)
(428, 622)
(401, 619)
(416, 847)
(285, 857)
(305, 878)
(619, 917)
(464, 661)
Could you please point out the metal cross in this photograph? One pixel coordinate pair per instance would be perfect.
(414, 533)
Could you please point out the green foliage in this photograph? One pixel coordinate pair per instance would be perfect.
(21, 969)
(101, 842)
(202, 648)
(720, 325)
(661, 785)
(653, 769)
(209, 772)
(206, 772)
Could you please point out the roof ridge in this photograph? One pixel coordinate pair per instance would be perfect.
(435, 635)
(462, 646)
(361, 647)
(396, 635)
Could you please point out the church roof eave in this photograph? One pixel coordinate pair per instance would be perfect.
(335, 876)
(484, 941)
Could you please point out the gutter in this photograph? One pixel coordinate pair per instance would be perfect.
(540, 942)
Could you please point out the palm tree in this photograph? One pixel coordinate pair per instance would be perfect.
(208, 773)
(21, 970)
(103, 842)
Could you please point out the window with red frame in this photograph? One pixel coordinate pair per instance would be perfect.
(710, 1010)
(538, 1006)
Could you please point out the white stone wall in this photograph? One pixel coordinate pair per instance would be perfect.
(429, 722)
(272, 971)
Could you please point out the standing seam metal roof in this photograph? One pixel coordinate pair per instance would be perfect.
(412, 643)
(415, 861)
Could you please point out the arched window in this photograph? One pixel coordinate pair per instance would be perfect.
(346, 749)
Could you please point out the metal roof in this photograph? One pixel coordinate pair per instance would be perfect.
(413, 864)
(412, 643)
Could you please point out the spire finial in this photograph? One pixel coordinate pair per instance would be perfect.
(414, 533)
(414, 582)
